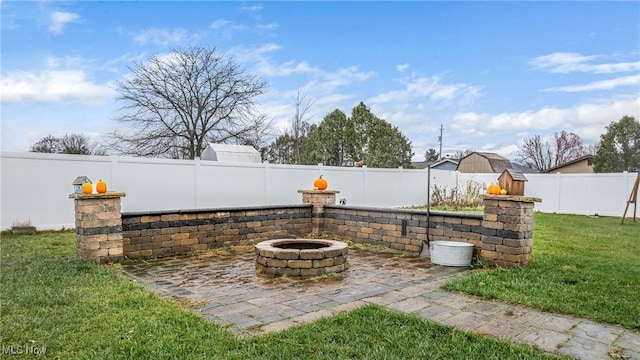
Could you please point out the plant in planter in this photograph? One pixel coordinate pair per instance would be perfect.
(23, 228)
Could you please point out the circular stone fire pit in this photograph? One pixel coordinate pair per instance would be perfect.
(301, 257)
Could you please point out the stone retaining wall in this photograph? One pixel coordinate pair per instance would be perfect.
(402, 229)
(181, 232)
(501, 236)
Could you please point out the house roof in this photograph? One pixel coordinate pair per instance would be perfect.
(515, 174)
(582, 158)
(444, 161)
(432, 163)
(524, 169)
(229, 152)
(498, 163)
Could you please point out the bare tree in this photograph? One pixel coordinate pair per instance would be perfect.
(178, 103)
(568, 147)
(543, 155)
(535, 153)
(299, 127)
(69, 143)
(459, 154)
(75, 144)
(285, 149)
(48, 144)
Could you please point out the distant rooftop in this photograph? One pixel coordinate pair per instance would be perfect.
(587, 157)
(232, 153)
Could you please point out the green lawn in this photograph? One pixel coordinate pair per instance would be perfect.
(587, 266)
(79, 310)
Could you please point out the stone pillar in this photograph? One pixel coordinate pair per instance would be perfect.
(98, 226)
(507, 230)
(318, 198)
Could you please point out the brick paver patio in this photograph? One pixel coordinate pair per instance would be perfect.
(223, 288)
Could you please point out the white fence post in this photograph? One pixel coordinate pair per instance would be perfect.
(559, 191)
(196, 182)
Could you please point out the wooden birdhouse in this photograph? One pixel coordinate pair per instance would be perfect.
(513, 181)
(78, 182)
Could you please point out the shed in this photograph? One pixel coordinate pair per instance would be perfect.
(232, 153)
(512, 181)
(483, 162)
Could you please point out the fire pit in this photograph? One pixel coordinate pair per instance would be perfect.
(301, 257)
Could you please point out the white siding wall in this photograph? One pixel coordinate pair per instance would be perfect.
(36, 186)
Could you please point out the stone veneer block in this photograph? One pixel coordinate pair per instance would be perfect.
(187, 231)
(98, 226)
(318, 198)
(507, 229)
(311, 257)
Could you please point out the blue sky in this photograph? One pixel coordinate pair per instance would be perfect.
(492, 73)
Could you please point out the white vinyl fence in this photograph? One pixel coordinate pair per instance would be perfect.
(36, 187)
(582, 194)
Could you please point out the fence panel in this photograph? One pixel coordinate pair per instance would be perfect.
(153, 183)
(32, 188)
(35, 186)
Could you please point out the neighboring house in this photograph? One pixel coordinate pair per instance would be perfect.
(233, 153)
(578, 166)
(444, 164)
(483, 162)
(524, 169)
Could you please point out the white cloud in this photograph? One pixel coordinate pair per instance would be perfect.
(286, 69)
(59, 19)
(269, 26)
(162, 37)
(227, 27)
(220, 23)
(254, 8)
(344, 77)
(68, 62)
(402, 67)
(429, 89)
(595, 116)
(599, 85)
(260, 58)
(264, 65)
(563, 62)
(255, 54)
(51, 86)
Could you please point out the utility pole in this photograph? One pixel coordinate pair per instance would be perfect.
(440, 141)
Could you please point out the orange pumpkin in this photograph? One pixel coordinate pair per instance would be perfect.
(87, 188)
(320, 184)
(493, 189)
(101, 187)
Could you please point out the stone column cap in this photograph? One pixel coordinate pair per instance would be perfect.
(518, 198)
(107, 195)
(319, 191)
